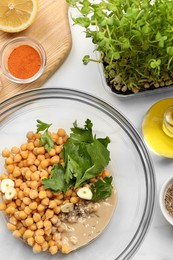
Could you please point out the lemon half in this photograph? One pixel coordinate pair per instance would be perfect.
(17, 15)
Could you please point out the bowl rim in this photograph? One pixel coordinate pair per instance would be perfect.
(36, 45)
(28, 96)
(163, 190)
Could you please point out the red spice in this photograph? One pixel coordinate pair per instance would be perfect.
(24, 62)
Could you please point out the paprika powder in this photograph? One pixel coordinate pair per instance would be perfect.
(24, 62)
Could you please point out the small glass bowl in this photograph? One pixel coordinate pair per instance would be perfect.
(163, 191)
(10, 46)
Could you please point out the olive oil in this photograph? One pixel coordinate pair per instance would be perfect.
(157, 128)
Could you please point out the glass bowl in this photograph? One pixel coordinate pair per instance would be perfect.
(8, 48)
(131, 167)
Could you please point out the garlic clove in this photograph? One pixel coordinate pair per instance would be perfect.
(5, 184)
(66, 208)
(10, 193)
(85, 193)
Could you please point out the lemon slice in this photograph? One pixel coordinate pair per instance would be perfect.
(17, 15)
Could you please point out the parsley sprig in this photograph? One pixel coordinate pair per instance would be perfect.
(45, 137)
(85, 156)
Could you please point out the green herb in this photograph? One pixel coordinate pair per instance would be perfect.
(134, 39)
(56, 182)
(84, 155)
(45, 137)
(102, 189)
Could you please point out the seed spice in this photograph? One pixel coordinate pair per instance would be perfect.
(169, 200)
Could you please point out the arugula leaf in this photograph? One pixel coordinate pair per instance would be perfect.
(56, 182)
(45, 137)
(102, 189)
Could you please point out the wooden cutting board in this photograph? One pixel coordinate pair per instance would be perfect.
(51, 28)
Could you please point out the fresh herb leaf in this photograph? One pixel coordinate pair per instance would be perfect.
(45, 138)
(47, 141)
(82, 134)
(41, 126)
(56, 182)
(102, 189)
(84, 157)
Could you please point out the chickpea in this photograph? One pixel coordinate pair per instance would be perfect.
(52, 204)
(11, 227)
(65, 249)
(33, 205)
(22, 230)
(13, 220)
(35, 176)
(36, 248)
(54, 219)
(26, 192)
(36, 217)
(54, 159)
(37, 162)
(45, 246)
(5, 153)
(45, 163)
(10, 168)
(30, 241)
(30, 161)
(28, 233)
(16, 234)
(2, 206)
(29, 222)
(28, 175)
(8, 161)
(49, 213)
(33, 168)
(57, 210)
(18, 182)
(40, 157)
(17, 158)
(53, 250)
(58, 149)
(47, 224)
(39, 239)
(40, 208)
(52, 152)
(22, 215)
(30, 146)
(68, 193)
(3, 176)
(24, 154)
(74, 200)
(30, 135)
(27, 210)
(42, 194)
(23, 186)
(39, 232)
(26, 200)
(40, 224)
(34, 185)
(10, 210)
(23, 147)
(33, 227)
(49, 194)
(45, 201)
(33, 194)
(15, 150)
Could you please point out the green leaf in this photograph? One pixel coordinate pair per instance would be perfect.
(102, 189)
(46, 140)
(81, 134)
(41, 126)
(56, 182)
